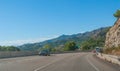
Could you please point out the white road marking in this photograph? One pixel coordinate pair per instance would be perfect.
(45, 65)
(42, 67)
(92, 64)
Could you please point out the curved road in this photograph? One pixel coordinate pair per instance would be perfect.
(58, 62)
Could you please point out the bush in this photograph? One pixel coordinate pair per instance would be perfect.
(117, 14)
(70, 46)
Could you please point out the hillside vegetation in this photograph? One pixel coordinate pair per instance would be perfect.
(9, 48)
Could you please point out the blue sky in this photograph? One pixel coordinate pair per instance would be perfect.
(28, 21)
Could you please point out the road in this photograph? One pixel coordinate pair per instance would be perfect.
(58, 62)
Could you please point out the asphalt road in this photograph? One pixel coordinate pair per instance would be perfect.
(58, 62)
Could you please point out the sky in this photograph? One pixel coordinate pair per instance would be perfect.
(30, 21)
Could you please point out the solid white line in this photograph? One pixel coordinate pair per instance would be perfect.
(92, 64)
(47, 64)
(43, 66)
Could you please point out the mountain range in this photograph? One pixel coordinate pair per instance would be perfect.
(61, 40)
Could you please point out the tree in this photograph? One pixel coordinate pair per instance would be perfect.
(70, 46)
(117, 14)
(46, 47)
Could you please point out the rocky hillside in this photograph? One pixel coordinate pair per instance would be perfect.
(77, 38)
(113, 36)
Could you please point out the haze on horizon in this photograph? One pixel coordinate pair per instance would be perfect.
(29, 21)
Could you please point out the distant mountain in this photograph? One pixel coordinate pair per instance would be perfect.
(61, 40)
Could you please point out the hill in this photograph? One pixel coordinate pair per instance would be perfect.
(112, 43)
(60, 41)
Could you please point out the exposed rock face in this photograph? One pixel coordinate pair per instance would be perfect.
(113, 36)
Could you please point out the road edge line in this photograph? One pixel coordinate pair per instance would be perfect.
(92, 64)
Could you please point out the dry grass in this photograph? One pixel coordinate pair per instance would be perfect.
(113, 51)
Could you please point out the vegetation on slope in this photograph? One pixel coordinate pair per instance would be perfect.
(9, 48)
(95, 41)
(113, 51)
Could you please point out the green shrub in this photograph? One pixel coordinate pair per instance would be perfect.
(117, 14)
(70, 46)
